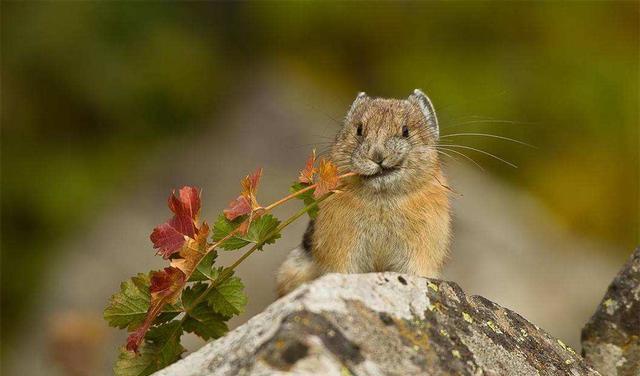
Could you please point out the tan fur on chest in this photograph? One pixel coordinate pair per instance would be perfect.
(358, 232)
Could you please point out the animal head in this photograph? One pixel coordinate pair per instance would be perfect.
(388, 142)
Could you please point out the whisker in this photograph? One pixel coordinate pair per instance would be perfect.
(483, 152)
(447, 155)
(466, 157)
(489, 121)
(489, 135)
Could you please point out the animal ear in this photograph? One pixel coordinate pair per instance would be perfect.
(427, 110)
(361, 98)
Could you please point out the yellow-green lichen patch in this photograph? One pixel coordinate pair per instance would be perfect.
(456, 353)
(344, 371)
(467, 317)
(432, 286)
(414, 333)
(562, 344)
(494, 327)
(610, 306)
(444, 333)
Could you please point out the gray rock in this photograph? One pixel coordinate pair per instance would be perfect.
(611, 339)
(383, 324)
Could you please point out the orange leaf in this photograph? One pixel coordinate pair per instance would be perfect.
(194, 251)
(250, 187)
(306, 174)
(327, 178)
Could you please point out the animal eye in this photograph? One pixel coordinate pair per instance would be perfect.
(359, 130)
(405, 131)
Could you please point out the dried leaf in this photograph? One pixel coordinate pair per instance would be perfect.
(307, 173)
(193, 252)
(250, 186)
(327, 178)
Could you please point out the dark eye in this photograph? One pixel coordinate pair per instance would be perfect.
(359, 130)
(405, 131)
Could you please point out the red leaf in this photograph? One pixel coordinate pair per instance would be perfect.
(166, 283)
(166, 286)
(239, 206)
(169, 237)
(306, 174)
(135, 339)
(327, 178)
(187, 203)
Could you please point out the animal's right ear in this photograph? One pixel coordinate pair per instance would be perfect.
(361, 98)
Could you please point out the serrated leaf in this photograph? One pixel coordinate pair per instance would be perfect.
(306, 197)
(228, 298)
(160, 349)
(224, 227)
(205, 269)
(202, 319)
(128, 308)
(262, 230)
(205, 323)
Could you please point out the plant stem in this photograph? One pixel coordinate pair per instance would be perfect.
(228, 272)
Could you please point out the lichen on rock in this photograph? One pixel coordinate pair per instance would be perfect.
(611, 338)
(383, 324)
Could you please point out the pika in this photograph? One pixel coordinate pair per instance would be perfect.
(394, 215)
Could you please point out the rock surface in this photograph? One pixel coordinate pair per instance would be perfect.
(611, 339)
(383, 324)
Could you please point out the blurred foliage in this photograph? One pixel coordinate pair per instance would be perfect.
(89, 88)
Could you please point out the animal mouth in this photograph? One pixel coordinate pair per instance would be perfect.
(383, 171)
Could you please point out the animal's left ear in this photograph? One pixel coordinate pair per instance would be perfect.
(427, 110)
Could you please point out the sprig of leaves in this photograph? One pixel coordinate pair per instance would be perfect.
(193, 294)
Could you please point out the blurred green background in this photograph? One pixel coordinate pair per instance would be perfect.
(89, 89)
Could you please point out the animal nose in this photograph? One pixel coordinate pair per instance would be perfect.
(377, 156)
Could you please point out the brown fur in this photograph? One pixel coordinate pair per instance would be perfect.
(394, 216)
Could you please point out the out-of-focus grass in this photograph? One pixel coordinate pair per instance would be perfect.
(89, 88)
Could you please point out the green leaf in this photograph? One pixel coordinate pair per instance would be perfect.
(307, 198)
(205, 269)
(260, 232)
(202, 319)
(223, 227)
(161, 348)
(128, 308)
(228, 298)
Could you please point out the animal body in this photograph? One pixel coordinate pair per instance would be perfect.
(394, 215)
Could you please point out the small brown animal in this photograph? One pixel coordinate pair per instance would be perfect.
(394, 215)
